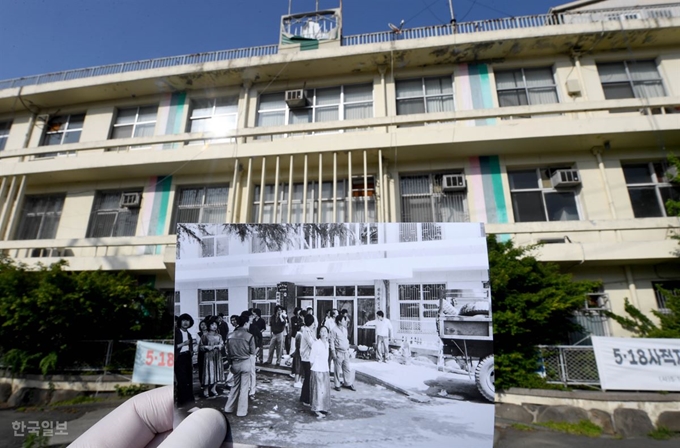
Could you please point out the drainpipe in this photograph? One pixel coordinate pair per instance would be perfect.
(631, 286)
(597, 152)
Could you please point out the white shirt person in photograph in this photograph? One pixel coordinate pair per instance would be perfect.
(320, 381)
(383, 334)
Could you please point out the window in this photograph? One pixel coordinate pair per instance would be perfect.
(534, 198)
(4, 133)
(649, 188)
(214, 246)
(423, 200)
(526, 86)
(63, 130)
(352, 102)
(201, 205)
(135, 122)
(217, 115)
(669, 288)
(176, 303)
(630, 79)
(110, 218)
(40, 217)
(211, 302)
(425, 95)
(418, 303)
(264, 298)
(324, 206)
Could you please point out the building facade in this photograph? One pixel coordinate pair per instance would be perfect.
(552, 128)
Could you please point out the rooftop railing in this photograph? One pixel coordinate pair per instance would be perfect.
(506, 23)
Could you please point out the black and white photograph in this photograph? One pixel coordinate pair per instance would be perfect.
(307, 335)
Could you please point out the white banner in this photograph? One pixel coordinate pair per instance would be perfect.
(638, 364)
(154, 363)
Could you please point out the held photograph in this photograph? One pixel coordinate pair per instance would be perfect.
(307, 335)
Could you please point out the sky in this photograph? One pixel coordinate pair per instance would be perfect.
(44, 36)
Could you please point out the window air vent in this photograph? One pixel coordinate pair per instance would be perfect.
(453, 182)
(565, 179)
(296, 98)
(130, 200)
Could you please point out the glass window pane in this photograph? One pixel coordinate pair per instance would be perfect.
(227, 105)
(415, 185)
(202, 108)
(637, 174)
(76, 121)
(671, 193)
(188, 215)
(145, 130)
(543, 96)
(327, 114)
(200, 125)
(52, 139)
(416, 209)
(618, 91)
(512, 98)
(71, 137)
(271, 101)
(271, 118)
(649, 89)
(408, 107)
(410, 88)
(122, 132)
(217, 195)
(358, 111)
(645, 202)
(436, 86)
(612, 72)
(298, 116)
(539, 77)
(528, 206)
(147, 113)
(509, 79)
(561, 206)
(643, 70)
(328, 96)
(360, 92)
(523, 179)
(440, 104)
(126, 116)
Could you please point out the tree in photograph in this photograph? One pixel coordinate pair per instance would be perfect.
(533, 304)
(46, 313)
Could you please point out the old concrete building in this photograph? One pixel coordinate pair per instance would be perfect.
(552, 128)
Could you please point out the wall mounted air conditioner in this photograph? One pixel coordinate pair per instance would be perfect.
(130, 200)
(596, 301)
(296, 98)
(565, 179)
(453, 182)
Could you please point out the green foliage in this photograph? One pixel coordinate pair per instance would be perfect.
(46, 312)
(533, 303)
(77, 400)
(582, 428)
(642, 326)
(35, 441)
(661, 433)
(130, 390)
(522, 427)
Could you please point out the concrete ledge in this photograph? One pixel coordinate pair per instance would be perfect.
(595, 395)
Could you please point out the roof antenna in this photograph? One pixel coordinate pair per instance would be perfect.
(396, 29)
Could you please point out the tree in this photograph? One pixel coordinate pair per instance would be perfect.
(533, 304)
(46, 313)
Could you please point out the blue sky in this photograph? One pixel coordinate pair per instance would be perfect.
(42, 36)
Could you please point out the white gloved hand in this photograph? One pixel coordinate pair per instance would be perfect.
(145, 421)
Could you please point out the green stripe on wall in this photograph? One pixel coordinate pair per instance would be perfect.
(175, 115)
(494, 199)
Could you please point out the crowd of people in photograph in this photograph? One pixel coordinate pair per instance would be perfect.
(231, 357)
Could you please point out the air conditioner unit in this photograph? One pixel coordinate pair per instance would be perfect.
(296, 98)
(130, 200)
(453, 182)
(596, 301)
(565, 179)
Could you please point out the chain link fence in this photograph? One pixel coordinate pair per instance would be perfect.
(569, 365)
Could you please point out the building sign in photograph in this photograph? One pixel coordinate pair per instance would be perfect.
(382, 332)
(638, 364)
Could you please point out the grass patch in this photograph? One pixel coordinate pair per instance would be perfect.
(661, 433)
(582, 428)
(78, 400)
(522, 427)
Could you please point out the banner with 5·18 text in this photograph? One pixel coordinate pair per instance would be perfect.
(638, 364)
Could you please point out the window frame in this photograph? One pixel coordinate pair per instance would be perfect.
(424, 95)
(215, 304)
(654, 182)
(544, 190)
(432, 194)
(43, 214)
(661, 300)
(117, 211)
(629, 79)
(192, 119)
(134, 125)
(526, 89)
(5, 128)
(63, 130)
(413, 324)
(202, 207)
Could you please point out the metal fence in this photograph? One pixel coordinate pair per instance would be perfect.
(570, 365)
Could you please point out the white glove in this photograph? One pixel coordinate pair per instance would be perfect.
(145, 421)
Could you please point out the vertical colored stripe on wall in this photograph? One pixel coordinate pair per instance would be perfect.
(480, 89)
(155, 211)
(175, 113)
(465, 90)
(478, 201)
(492, 186)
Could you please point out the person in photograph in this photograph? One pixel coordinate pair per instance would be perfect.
(310, 310)
(184, 370)
(257, 326)
(329, 323)
(222, 327)
(383, 334)
(306, 341)
(296, 323)
(213, 369)
(339, 344)
(202, 331)
(320, 381)
(277, 324)
(241, 349)
(233, 320)
(350, 330)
